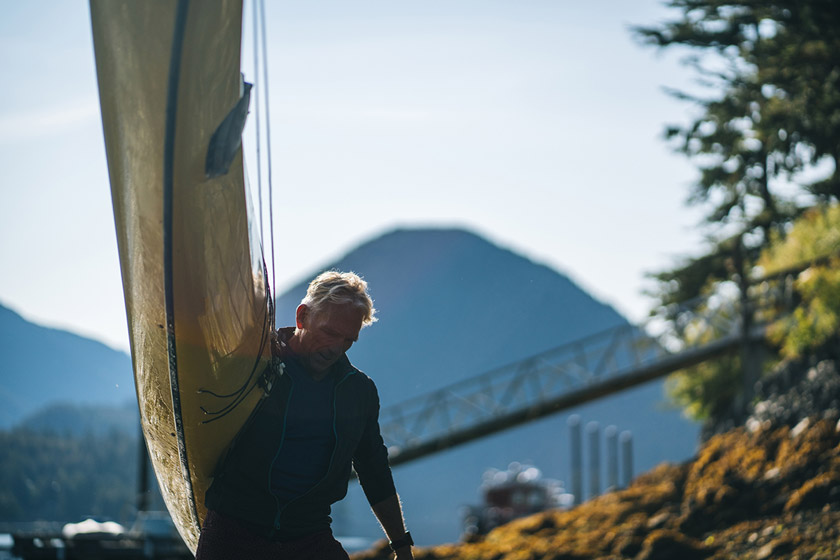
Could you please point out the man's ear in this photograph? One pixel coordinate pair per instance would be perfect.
(301, 316)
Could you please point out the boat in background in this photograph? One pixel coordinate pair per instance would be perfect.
(199, 310)
(517, 492)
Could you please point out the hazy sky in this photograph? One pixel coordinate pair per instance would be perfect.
(535, 123)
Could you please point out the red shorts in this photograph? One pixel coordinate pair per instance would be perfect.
(224, 538)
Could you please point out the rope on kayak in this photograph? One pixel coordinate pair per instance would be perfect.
(262, 113)
(257, 97)
(268, 148)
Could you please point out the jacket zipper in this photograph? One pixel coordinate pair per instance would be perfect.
(332, 456)
(280, 447)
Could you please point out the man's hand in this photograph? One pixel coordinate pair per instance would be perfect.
(389, 514)
(276, 348)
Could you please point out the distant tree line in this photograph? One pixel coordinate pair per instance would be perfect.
(765, 138)
(51, 476)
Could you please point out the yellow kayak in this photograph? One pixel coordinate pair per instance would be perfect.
(173, 104)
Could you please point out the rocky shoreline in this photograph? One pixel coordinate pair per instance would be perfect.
(767, 489)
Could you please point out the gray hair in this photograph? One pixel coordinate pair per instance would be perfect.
(340, 288)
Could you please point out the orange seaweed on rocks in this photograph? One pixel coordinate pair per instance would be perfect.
(751, 493)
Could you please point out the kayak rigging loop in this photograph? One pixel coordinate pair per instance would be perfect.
(241, 393)
(274, 370)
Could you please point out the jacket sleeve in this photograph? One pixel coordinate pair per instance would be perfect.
(371, 457)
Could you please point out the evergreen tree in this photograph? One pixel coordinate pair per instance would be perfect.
(773, 72)
(766, 141)
(46, 476)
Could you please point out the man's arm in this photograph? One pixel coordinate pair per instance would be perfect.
(389, 514)
(371, 463)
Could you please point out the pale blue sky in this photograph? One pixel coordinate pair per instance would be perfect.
(534, 123)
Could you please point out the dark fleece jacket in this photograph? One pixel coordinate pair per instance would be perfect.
(242, 485)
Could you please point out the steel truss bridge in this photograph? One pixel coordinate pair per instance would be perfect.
(584, 370)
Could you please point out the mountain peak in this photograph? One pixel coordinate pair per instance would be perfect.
(448, 296)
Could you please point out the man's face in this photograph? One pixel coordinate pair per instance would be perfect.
(323, 337)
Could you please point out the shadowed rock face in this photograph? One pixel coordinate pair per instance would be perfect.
(797, 390)
(793, 390)
(767, 490)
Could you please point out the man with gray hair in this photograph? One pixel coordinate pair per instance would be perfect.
(292, 460)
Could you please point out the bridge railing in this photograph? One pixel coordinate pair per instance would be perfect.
(579, 371)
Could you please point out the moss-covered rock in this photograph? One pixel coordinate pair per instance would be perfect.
(754, 493)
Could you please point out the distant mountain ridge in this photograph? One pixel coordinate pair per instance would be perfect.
(66, 418)
(41, 365)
